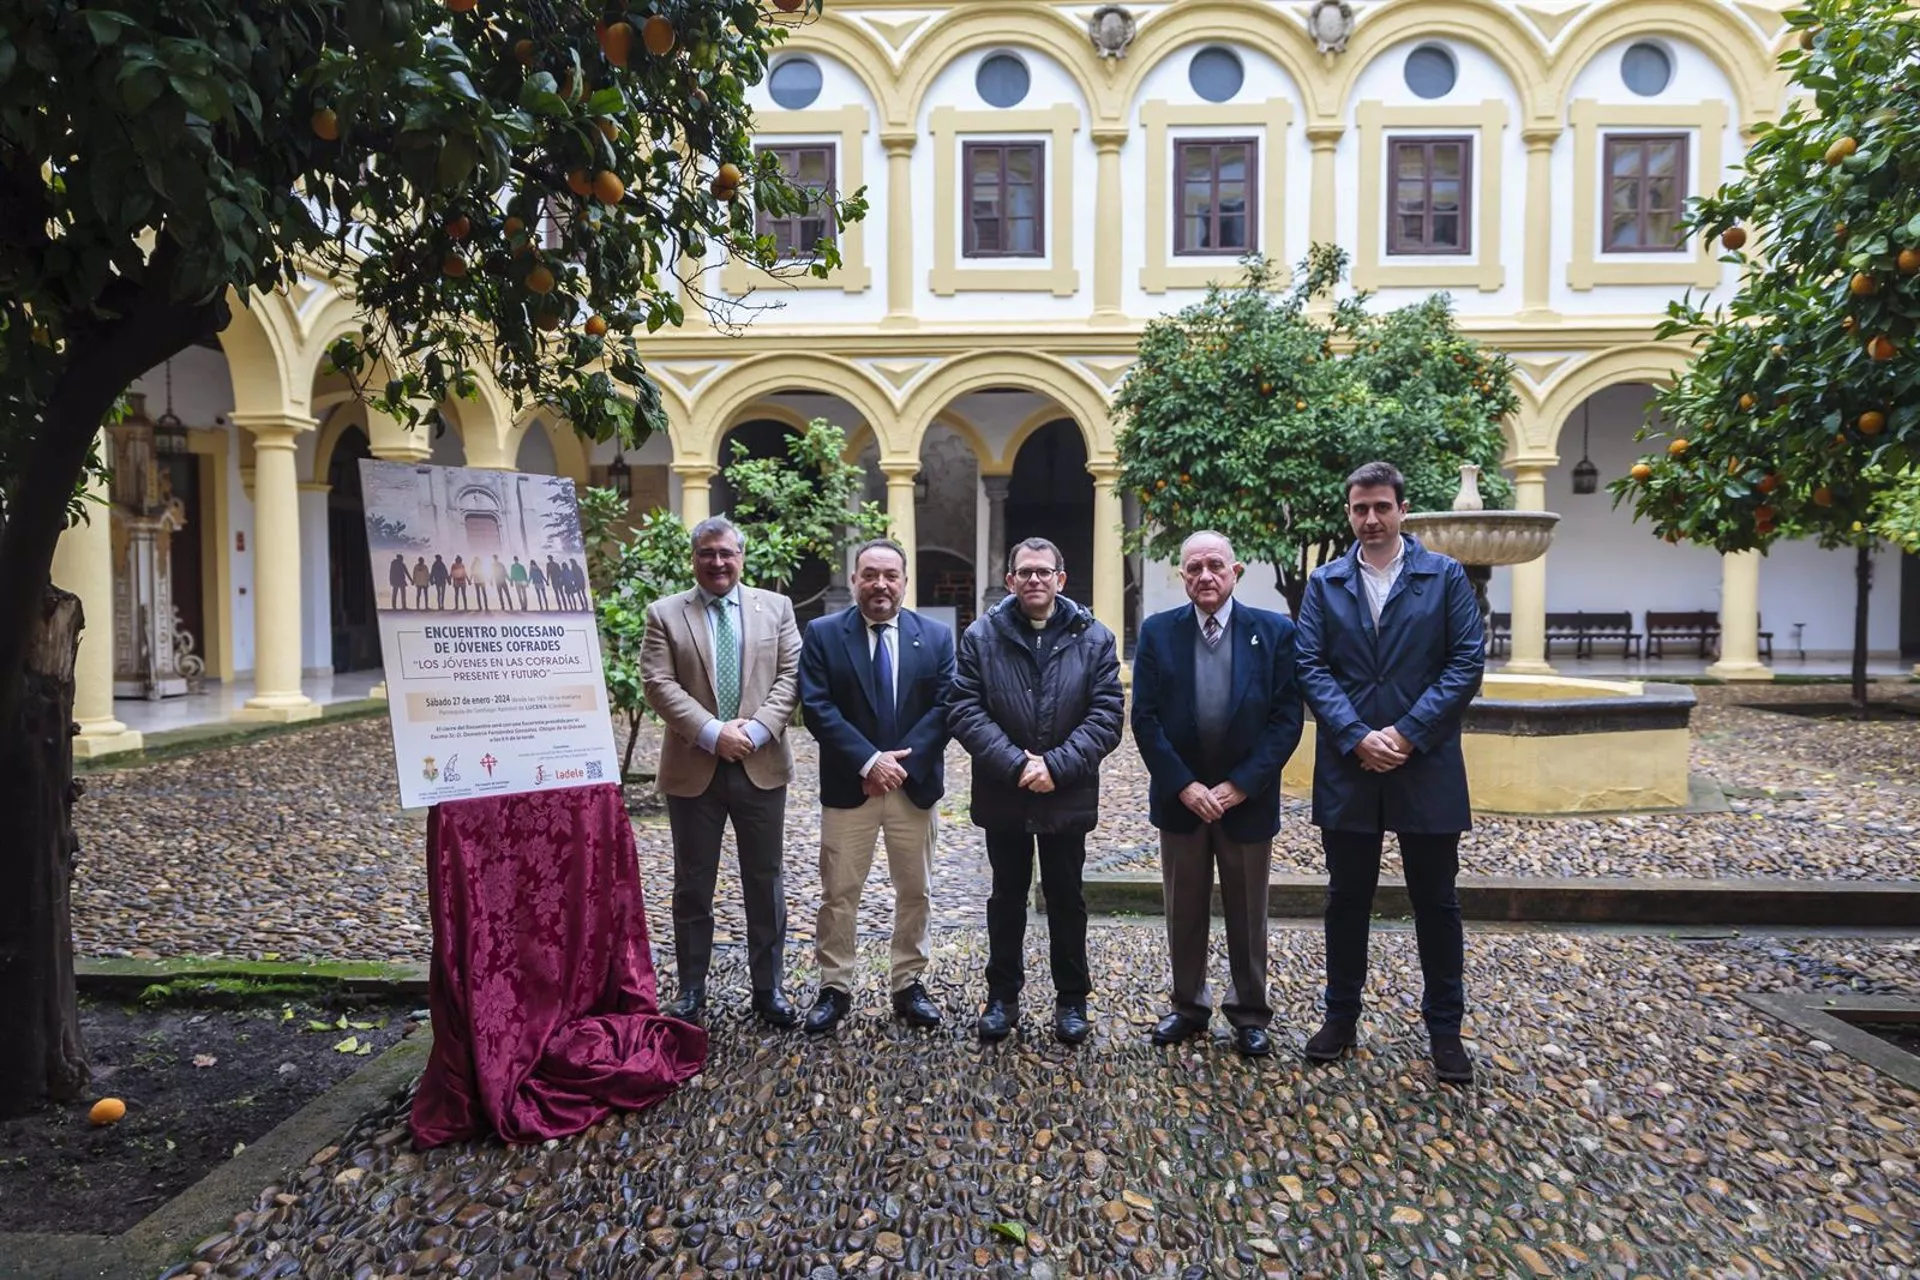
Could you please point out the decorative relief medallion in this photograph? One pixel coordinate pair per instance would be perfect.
(1331, 23)
(1111, 30)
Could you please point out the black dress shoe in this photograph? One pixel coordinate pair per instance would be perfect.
(1451, 1061)
(1330, 1041)
(998, 1019)
(831, 1005)
(914, 1005)
(775, 1009)
(1176, 1027)
(688, 1005)
(1070, 1022)
(1252, 1042)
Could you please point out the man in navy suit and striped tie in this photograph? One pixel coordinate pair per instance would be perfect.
(874, 680)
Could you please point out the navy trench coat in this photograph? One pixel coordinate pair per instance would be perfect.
(1417, 673)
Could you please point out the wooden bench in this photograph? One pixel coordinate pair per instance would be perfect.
(1499, 634)
(1699, 627)
(1586, 629)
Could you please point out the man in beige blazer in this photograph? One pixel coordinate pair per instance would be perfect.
(721, 665)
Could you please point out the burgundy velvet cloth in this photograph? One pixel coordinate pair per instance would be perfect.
(544, 1014)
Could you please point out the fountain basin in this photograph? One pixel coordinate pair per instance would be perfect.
(1553, 745)
(1484, 538)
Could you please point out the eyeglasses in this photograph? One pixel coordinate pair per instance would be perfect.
(1032, 572)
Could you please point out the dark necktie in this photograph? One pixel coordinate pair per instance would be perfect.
(883, 688)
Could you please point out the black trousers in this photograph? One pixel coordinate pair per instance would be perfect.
(1432, 863)
(1062, 858)
(759, 830)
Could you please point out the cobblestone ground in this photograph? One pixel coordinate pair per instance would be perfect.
(294, 846)
(1633, 1119)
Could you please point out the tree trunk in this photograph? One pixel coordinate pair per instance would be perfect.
(1862, 588)
(40, 1053)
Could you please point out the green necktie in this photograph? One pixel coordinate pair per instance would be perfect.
(726, 662)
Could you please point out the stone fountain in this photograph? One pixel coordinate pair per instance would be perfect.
(1546, 744)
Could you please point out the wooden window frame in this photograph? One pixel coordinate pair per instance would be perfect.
(1251, 214)
(765, 223)
(1397, 245)
(1644, 141)
(969, 247)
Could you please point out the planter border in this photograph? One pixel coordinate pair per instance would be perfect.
(1830, 1019)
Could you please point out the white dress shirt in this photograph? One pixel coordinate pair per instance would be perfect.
(1224, 613)
(1379, 582)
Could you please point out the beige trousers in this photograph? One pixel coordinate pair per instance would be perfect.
(846, 855)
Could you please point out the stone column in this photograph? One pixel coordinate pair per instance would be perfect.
(1109, 561)
(83, 564)
(696, 490)
(1740, 619)
(900, 513)
(899, 145)
(276, 570)
(1529, 657)
(1323, 196)
(1536, 274)
(993, 574)
(1109, 227)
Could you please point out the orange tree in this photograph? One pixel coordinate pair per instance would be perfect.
(502, 184)
(1800, 414)
(1246, 412)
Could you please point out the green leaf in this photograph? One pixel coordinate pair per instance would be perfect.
(319, 1026)
(105, 26)
(1014, 1231)
(349, 1045)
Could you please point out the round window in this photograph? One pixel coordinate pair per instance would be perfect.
(1647, 69)
(795, 83)
(1431, 71)
(1003, 80)
(1216, 74)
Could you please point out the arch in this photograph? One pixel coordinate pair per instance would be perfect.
(1746, 59)
(262, 357)
(348, 416)
(744, 384)
(1077, 396)
(1018, 438)
(763, 410)
(1489, 27)
(1016, 23)
(483, 421)
(970, 435)
(569, 450)
(1640, 362)
(854, 48)
(1255, 27)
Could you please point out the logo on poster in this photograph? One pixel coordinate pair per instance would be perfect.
(447, 772)
(429, 770)
(487, 762)
(539, 774)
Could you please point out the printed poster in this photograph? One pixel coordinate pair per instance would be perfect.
(487, 633)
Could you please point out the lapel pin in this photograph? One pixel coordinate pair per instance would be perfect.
(1256, 641)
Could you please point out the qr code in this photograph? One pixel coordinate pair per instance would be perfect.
(593, 769)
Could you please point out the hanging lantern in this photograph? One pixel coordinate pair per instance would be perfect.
(169, 433)
(620, 475)
(1586, 476)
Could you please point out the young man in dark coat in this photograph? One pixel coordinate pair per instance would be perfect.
(1390, 655)
(1216, 713)
(1037, 704)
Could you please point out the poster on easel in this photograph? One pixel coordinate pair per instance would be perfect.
(494, 682)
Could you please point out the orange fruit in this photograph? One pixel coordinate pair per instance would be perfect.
(1908, 261)
(1733, 238)
(1881, 347)
(1872, 422)
(608, 188)
(1823, 497)
(657, 34)
(326, 125)
(513, 226)
(453, 265)
(1767, 483)
(1677, 447)
(579, 183)
(523, 52)
(596, 325)
(1840, 151)
(1806, 38)
(1849, 324)
(608, 129)
(106, 1111)
(1747, 401)
(1641, 472)
(617, 43)
(548, 320)
(1763, 515)
(1840, 231)
(1299, 406)
(458, 228)
(463, 6)
(540, 280)
(1863, 285)
(789, 6)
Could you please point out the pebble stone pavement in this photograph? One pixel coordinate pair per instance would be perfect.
(1632, 1119)
(294, 847)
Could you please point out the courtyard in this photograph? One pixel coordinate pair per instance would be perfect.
(1634, 1116)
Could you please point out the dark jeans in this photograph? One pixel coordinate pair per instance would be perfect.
(1062, 857)
(1353, 872)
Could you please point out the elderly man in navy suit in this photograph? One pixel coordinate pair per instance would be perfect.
(1390, 656)
(1216, 713)
(874, 680)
